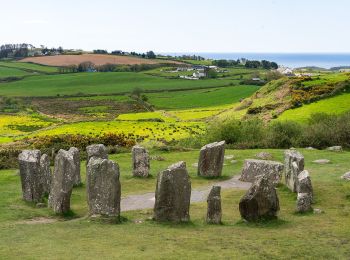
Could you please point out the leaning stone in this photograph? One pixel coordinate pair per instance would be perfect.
(214, 206)
(140, 162)
(62, 182)
(304, 184)
(103, 187)
(335, 148)
(211, 159)
(260, 201)
(76, 157)
(31, 178)
(254, 169)
(173, 194)
(304, 201)
(45, 172)
(264, 156)
(96, 150)
(322, 161)
(294, 163)
(346, 176)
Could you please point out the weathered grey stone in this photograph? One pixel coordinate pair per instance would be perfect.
(173, 194)
(322, 161)
(346, 176)
(31, 178)
(291, 171)
(76, 157)
(335, 148)
(264, 156)
(62, 182)
(310, 148)
(103, 187)
(254, 169)
(211, 159)
(45, 172)
(260, 201)
(96, 150)
(304, 202)
(140, 162)
(229, 157)
(304, 184)
(214, 211)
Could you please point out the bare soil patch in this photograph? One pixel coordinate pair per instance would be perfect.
(39, 220)
(97, 59)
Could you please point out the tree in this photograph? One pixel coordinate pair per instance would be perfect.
(150, 55)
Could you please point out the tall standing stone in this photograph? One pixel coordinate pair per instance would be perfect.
(214, 212)
(62, 182)
(292, 171)
(305, 192)
(45, 171)
(260, 201)
(140, 162)
(254, 169)
(76, 157)
(211, 159)
(173, 194)
(96, 150)
(304, 202)
(103, 187)
(31, 178)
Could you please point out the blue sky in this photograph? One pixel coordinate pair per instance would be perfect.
(179, 25)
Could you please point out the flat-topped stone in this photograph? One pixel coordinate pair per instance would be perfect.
(322, 161)
(211, 159)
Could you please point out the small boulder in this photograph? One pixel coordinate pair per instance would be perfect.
(260, 201)
(304, 202)
(31, 177)
(62, 182)
(293, 164)
(103, 187)
(96, 150)
(229, 157)
(214, 211)
(310, 148)
(173, 194)
(76, 157)
(140, 162)
(264, 156)
(254, 169)
(322, 161)
(335, 148)
(211, 159)
(346, 176)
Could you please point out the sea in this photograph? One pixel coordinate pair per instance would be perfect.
(291, 60)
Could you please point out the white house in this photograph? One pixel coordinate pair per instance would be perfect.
(199, 74)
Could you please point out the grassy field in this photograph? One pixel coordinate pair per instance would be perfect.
(200, 98)
(11, 72)
(99, 83)
(30, 67)
(308, 236)
(334, 105)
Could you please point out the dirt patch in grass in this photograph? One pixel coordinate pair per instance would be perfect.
(39, 220)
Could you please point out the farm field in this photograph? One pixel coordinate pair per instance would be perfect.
(97, 59)
(100, 83)
(29, 67)
(28, 232)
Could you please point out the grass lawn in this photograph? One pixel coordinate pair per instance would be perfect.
(310, 236)
(200, 98)
(99, 83)
(11, 72)
(29, 66)
(334, 105)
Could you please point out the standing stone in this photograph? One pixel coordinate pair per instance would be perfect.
(96, 150)
(62, 182)
(45, 172)
(173, 194)
(140, 162)
(304, 184)
(292, 172)
(103, 187)
(211, 159)
(31, 178)
(254, 169)
(214, 206)
(76, 157)
(260, 202)
(304, 202)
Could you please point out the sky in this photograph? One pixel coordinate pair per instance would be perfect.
(275, 26)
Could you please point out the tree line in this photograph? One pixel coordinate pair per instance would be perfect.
(251, 64)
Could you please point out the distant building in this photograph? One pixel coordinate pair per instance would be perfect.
(200, 73)
(286, 71)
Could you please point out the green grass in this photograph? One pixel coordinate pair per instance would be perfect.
(99, 83)
(327, 79)
(333, 105)
(293, 236)
(29, 66)
(11, 72)
(200, 98)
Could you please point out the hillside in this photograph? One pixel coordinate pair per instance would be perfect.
(97, 59)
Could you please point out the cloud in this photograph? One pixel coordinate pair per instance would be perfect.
(36, 21)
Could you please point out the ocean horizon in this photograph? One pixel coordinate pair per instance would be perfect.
(292, 60)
